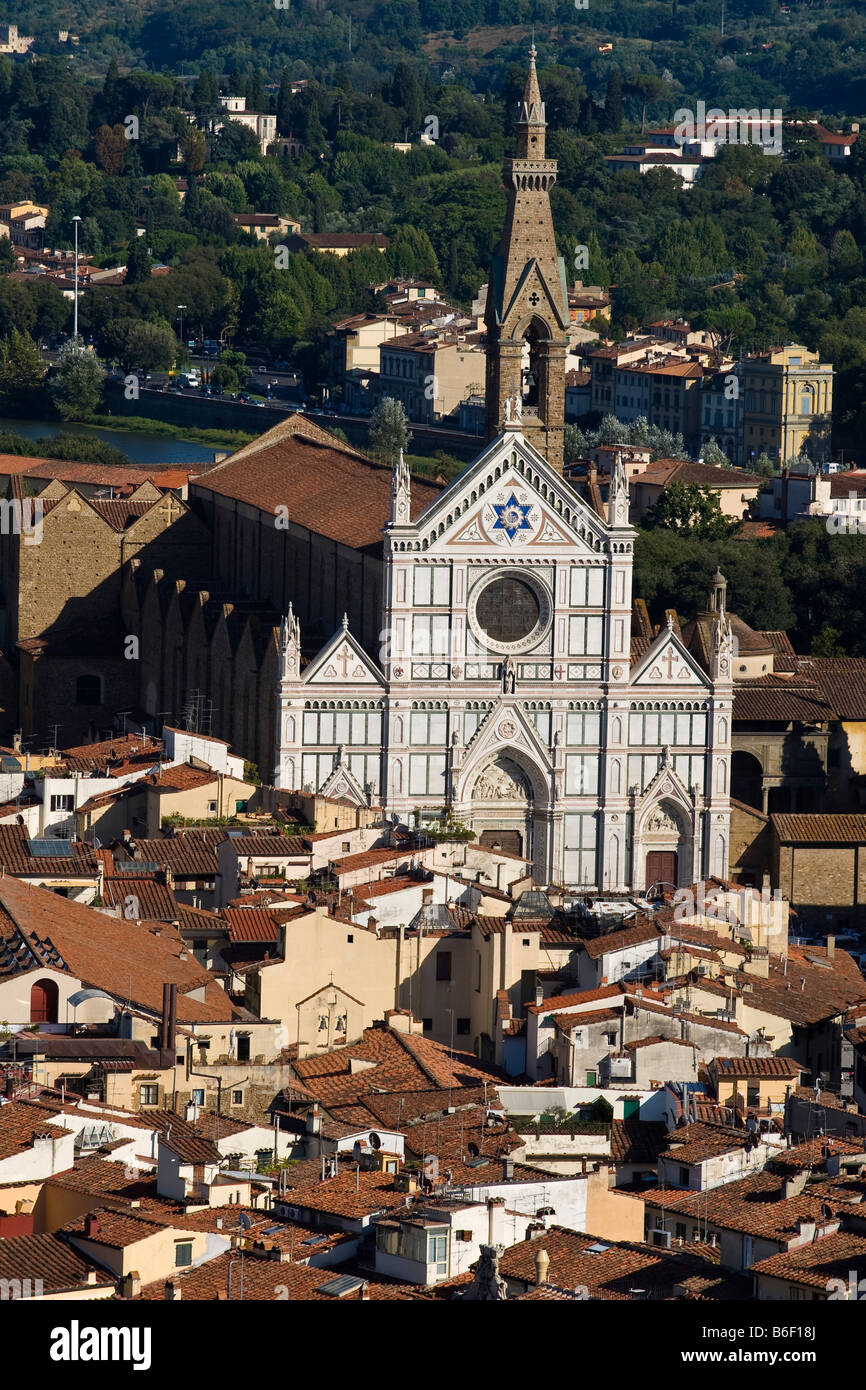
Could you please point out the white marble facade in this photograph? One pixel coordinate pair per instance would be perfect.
(504, 696)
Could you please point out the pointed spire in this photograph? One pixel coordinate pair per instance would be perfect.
(290, 645)
(618, 495)
(401, 492)
(345, 622)
(531, 111)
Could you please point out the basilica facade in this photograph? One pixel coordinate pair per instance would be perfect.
(504, 693)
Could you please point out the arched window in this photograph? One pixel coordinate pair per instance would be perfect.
(88, 690)
(43, 1002)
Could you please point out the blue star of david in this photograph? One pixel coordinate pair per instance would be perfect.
(512, 516)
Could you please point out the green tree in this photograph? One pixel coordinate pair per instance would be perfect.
(76, 383)
(689, 508)
(21, 371)
(389, 429)
(714, 454)
(138, 262)
(764, 465)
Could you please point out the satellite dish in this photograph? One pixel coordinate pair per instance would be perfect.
(375, 1141)
(244, 1221)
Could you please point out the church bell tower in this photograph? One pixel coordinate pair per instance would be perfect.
(527, 297)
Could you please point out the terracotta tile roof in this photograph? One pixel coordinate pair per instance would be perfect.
(759, 701)
(685, 471)
(266, 1280)
(843, 829)
(16, 857)
(637, 1141)
(328, 487)
(183, 777)
(99, 474)
(153, 900)
(829, 1257)
(271, 846)
(643, 930)
(48, 1257)
(126, 959)
(694, 1143)
(188, 856)
(20, 1121)
(367, 859)
(608, 1270)
(117, 1229)
(755, 1205)
(383, 886)
(842, 682)
(814, 987)
(252, 924)
(403, 1063)
(577, 999)
(781, 1067)
(122, 514)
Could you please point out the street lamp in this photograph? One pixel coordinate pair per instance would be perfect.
(75, 222)
(180, 308)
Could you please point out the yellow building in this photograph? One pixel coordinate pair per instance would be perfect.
(788, 404)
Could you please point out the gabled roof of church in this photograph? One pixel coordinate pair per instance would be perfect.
(326, 486)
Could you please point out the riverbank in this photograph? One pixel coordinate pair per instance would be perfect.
(228, 439)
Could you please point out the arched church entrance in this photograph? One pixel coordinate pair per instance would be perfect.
(665, 839)
(508, 808)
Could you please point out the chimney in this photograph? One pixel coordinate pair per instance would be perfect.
(171, 1039)
(314, 1120)
(91, 1227)
(172, 1291)
(163, 1022)
(542, 1265)
(507, 1168)
(831, 948)
(539, 993)
(131, 1284)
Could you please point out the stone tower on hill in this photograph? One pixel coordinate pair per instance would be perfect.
(527, 302)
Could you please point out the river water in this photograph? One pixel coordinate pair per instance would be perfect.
(139, 446)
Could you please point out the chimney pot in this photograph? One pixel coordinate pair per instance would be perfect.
(542, 1265)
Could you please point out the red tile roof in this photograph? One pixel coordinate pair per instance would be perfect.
(128, 960)
(328, 487)
(50, 1259)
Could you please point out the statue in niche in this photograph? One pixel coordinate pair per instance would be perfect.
(509, 679)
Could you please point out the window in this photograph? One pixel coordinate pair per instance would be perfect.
(680, 1230)
(428, 727)
(350, 939)
(148, 1095)
(243, 1048)
(211, 808)
(237, 1097)
(443, 965)
(63, 803)
(463, 1025)
(579, 853)
(427, 1025)
(684, 1177)
(183, 1253)
(198, 1097)
(427, 775)
(347, 845)
(526, 941)
(88, 690)
(437, 1253)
